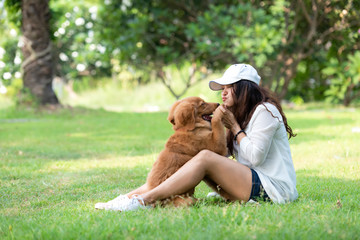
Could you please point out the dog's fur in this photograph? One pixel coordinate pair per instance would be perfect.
(193, 132)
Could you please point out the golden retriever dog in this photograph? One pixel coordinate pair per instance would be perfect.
(195, 130)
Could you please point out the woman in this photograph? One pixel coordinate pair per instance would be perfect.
(257, 136)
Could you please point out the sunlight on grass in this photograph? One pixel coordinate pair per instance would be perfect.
(326, 142)
(123, 162)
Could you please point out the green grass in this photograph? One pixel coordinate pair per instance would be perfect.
(55, 166)
(143, 98)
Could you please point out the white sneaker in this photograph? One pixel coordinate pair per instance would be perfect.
(123, 204)
(253, 202)
(213, 195)
(107, 205)
(134, 203)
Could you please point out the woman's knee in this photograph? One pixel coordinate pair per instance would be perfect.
(205, 153)
(204, 156)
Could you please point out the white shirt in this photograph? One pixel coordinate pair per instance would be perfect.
(266, 149)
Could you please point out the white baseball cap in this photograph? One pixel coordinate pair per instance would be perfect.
(235, 73)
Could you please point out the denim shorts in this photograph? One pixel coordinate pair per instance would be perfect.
(257, 190)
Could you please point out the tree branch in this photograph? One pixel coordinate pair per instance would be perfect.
(306, 14)
(33, 54)
(161, 74)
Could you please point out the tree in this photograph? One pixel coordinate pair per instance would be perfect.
(71, 30)
(345, 77)
(150, 36)
(276, 36)
(38, 63)
(77, 53)
(37, 66)
(310, 29)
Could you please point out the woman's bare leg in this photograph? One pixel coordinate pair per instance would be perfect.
(218, 189)
(141, 190)
(232, 177)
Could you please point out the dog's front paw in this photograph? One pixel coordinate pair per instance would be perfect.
(217, 115)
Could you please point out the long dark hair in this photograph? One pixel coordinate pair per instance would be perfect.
(247, 96)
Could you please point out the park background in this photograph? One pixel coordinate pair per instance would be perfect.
(84, 91)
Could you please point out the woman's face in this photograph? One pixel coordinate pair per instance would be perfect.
(227, 95)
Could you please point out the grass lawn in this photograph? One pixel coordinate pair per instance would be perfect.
(55, 166)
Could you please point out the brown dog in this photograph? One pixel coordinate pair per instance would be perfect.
(195, 130)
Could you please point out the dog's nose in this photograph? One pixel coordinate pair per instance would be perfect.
(218, 104)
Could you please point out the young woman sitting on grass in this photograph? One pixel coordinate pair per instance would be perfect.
(257, 136)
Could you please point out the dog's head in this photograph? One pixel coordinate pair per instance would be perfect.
(191, 112)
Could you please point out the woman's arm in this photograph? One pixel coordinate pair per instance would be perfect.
(255, 146)
(230, 122)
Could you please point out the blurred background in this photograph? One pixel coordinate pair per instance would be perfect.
(142, 55)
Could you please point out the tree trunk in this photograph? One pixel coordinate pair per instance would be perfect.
(289, 73)
(38, 63)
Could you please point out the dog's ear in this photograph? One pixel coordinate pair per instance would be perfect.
(171, 112)
(184, 116)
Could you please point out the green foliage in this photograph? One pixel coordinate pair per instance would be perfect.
(73, 29)
(309, 82)
(77, 52)
(297, 100)
(154, 35)
(10, 57)
(290, 42)
(13, 9)
(10, 54)
(214, 34)
(345, 79)
(56, 165)
(14, 88)
(232, 31)
(277, 37)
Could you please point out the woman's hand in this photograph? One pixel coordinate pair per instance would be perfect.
(217, 115)
(228, 119)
